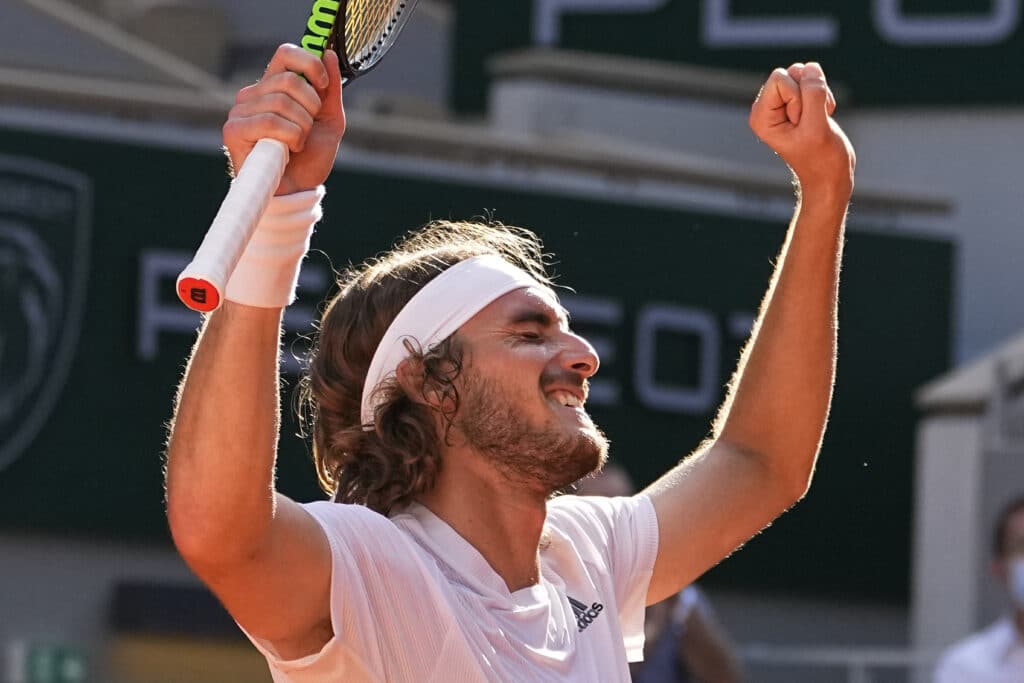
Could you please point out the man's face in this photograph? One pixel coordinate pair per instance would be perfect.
(522, 391)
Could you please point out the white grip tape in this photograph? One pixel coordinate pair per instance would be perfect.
(233, 226)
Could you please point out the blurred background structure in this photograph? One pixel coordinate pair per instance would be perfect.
(616, 129)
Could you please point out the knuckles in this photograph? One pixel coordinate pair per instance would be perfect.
(230, 129)
(287, 52)
(290, 58)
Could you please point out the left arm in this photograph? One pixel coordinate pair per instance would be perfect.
(766, 437)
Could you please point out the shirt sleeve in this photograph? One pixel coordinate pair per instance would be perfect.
(358, 539)
(621, 537)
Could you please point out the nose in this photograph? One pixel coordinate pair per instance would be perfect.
(579, 356)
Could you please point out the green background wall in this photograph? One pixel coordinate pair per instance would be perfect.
(877, 66)
(95, 469)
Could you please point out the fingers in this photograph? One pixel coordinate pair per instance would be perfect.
(241, 134)
(293, 58)
(796, 71)
(792, 115)
(280, 104)
(270, 113)
(287, 83)
(283, 105)
(332, 110)
(789, 91)
(778, 104)
(815, 93)
(298, 102)
(797, 93)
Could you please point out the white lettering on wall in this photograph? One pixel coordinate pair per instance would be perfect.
(160, 312)
(946, 29)
(158, 269)
(547, 14)
(658, 394)
(721, 29)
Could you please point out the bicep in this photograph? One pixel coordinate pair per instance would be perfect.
(708, 506)
(281, 592)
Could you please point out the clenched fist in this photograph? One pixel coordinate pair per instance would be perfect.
(793, 115)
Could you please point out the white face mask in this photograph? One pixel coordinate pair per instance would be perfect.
(1016, 581)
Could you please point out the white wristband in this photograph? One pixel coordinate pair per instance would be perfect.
(268, 271)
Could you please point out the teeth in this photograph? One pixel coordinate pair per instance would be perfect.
(566, 399)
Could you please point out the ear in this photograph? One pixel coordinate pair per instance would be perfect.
(410, 377)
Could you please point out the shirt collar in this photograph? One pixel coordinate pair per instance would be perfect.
(463, 562)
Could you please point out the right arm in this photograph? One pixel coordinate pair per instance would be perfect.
(265, 558)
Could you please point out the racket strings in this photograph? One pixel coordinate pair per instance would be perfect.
(369, 26)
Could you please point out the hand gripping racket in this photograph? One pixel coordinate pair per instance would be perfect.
(370, 29)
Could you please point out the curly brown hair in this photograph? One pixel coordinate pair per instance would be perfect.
(398, 458)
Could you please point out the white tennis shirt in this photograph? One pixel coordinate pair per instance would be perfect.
(994, 655)
(414, 602)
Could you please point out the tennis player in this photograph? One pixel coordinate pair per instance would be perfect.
(447, 399)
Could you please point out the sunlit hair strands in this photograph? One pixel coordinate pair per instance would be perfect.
(389, 465)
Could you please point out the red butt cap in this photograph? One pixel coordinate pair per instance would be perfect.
(199, 295)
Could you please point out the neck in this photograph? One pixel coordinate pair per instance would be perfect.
(502, 521)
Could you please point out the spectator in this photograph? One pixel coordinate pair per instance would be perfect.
(996, 654)
(684, 642)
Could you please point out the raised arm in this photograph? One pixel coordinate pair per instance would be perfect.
(766, 437)
(264, 557)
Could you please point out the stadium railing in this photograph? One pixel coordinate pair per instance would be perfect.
(860, 664)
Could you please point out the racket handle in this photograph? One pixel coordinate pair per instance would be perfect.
(201, 285)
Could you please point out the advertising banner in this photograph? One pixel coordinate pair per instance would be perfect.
(886, 52)
(93, 341)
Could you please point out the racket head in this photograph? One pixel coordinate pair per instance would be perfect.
(369, 29)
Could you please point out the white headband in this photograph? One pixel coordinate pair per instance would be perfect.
(440, 308)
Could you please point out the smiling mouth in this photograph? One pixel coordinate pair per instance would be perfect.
(567, 399)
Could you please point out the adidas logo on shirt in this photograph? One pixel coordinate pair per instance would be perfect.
(585, 616)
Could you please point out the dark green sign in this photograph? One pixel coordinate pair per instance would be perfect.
(906, 52)
(667, 296)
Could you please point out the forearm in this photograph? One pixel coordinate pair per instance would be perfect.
(223, 440)
(779, 398)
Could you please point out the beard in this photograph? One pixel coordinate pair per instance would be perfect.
(551, 456)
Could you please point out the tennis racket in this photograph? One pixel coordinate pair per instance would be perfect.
(370, 29)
